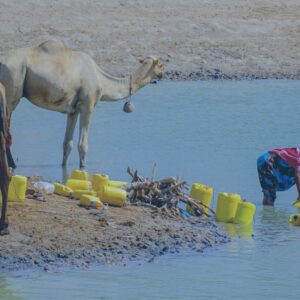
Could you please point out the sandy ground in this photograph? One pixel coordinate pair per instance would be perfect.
(196, 39)
(58, 233)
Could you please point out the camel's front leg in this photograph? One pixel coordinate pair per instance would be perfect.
(85, 117)
(3, 220)
(68, 141)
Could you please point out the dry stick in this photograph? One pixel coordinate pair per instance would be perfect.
(174, 186)
(153, 171)
(138, 186)
(134, 175)
(210, 209)
(168, 180)
(191, 201)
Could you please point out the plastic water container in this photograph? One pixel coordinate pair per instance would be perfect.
(117, 184)
(294, 219)
(227, 206)
(244, 213)
(90, 201)
(16, 189)
(78, 184)
(297, 204)
(78, 193)
(79, 174)
(98, 181)
(62, 189)
(202, 193)
(113, 196)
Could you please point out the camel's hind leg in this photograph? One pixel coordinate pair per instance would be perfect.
(85, 117)
(68, 141)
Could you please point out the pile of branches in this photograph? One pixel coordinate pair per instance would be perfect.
(165, 193)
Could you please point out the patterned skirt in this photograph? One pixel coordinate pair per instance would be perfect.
(274, 175)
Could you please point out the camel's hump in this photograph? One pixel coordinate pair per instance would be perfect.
(52, 46)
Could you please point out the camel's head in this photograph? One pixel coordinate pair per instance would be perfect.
(153, 67)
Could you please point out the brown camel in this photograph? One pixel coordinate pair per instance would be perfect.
(5, 159)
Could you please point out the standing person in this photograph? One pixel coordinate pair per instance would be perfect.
(278, 170)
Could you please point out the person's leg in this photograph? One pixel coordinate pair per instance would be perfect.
(266, 178)
(285, 174)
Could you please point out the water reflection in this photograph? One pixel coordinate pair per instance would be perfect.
(272, 215)
(7, 292)
(243, 231)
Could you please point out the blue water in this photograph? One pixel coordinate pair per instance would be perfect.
(209, 132)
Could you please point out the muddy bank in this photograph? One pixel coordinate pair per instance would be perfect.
(59, 233)
(226, 39)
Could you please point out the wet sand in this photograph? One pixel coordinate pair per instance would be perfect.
(226, 39)
(59, 233)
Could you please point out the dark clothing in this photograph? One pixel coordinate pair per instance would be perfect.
(275, 174)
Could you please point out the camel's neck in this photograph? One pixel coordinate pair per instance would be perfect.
(114, 88)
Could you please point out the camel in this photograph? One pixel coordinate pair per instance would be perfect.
(5, 159)
(60, 79)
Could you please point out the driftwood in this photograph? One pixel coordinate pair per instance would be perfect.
(166, 193)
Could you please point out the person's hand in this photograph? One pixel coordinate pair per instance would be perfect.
(297, 202)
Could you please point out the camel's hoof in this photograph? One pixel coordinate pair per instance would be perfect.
(4, 231)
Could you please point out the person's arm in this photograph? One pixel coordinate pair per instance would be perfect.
(298, 186)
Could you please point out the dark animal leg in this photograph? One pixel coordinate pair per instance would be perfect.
(3, 220)
(5, 143)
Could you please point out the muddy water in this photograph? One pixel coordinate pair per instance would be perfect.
(211, 132)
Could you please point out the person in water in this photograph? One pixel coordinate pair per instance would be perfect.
(278, 170)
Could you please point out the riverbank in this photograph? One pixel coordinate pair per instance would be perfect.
(58, 233)
(197, 40)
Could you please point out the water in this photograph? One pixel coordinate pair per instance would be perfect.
(209, 132)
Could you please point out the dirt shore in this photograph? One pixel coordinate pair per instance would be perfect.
(227, 39)
(58, 233)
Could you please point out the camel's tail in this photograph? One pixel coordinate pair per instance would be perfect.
(4, 128)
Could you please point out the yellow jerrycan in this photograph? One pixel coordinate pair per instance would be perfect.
(78, 184)
(99, 180)
(90, 201)
(296, 204)
(117, 184)
(78, 193)
(294, 219)
(61, 189)
(203, 194)
(226, 207)
(244, 213)
(113, 196)
(79, 174)
(17, 188)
